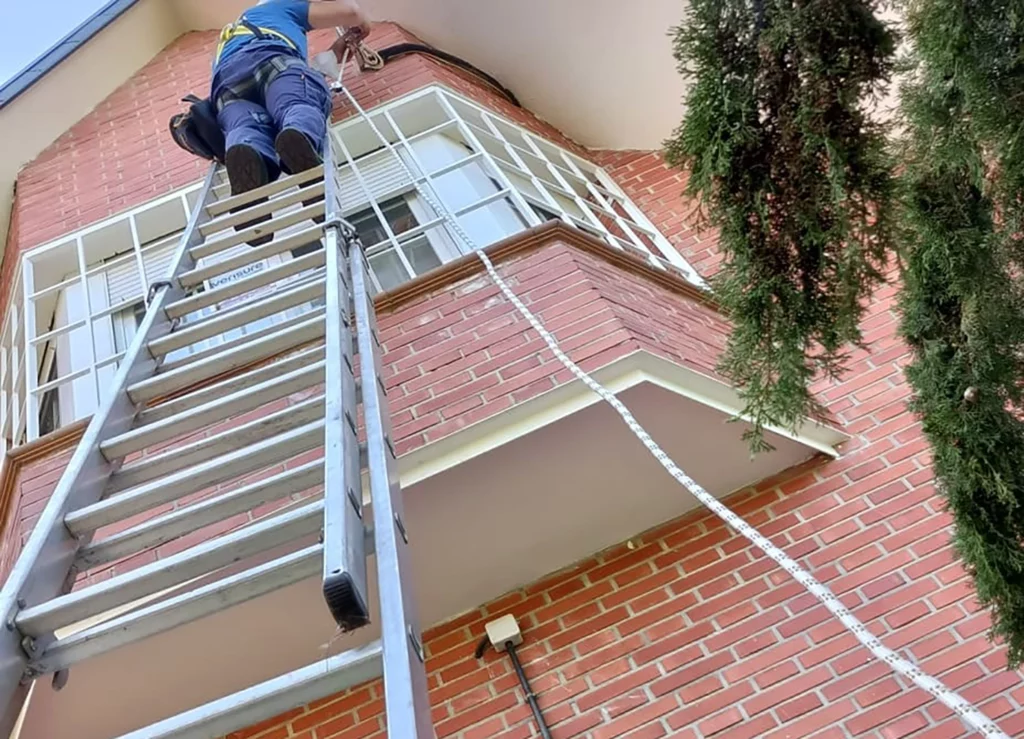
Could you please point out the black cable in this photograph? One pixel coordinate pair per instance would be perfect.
(524, 681)
(545, 732)
(393, 52)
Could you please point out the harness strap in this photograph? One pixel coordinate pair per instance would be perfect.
(242, 27)
(259, 79)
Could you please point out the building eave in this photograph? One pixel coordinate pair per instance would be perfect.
(60, 51)
(62, 86)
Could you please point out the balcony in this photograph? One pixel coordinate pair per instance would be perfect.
(511, 469)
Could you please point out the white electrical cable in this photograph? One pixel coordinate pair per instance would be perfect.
(964, 709)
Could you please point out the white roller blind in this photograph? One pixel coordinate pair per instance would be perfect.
(383, 174)
(123, 281)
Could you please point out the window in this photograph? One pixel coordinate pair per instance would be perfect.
(82, 297)
(544, 214)
(49, 408)
(126, 322)
(393, 264)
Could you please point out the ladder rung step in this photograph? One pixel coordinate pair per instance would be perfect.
(273, 226)
(262, 348)
(230, 290)
(206, 449)
(194, 517)
(241, 401)
(231, 220)
(181, 609)
(192, 480)
(272, 698)
(282, 184)
(244, 258)
(224, 321)
(201, 559)
(184, 403)
(243, 340)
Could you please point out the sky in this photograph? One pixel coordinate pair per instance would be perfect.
(28, 28)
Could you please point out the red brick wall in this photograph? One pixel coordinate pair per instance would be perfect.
(463, 353)
(692, 633)
(34, 481)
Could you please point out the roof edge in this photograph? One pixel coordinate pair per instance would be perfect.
(60, 51)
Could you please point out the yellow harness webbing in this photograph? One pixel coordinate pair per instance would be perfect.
(240, 29)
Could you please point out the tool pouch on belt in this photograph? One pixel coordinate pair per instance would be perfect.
(197, 131)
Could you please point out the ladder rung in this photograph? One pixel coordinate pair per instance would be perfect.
(243, 340)
(181, 609)
(244, 258)
(271, 698)
(192, 480)
(282, 184)
(273, 226)
(262, 348)
(241, 401)
(201, 559)
(224, 321)
(249, 379)
(203, 450)
(232, 219)
(311, 261)
(194, 517)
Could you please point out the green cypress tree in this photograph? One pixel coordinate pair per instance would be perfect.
(962, 304)
(791, 171)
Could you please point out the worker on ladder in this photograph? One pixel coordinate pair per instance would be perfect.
(271, 106)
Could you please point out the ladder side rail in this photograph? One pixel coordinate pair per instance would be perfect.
(406, 696)
(344, 562)
(44, 568)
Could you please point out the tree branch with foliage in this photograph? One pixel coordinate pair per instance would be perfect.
(788, 167)
(962, 305)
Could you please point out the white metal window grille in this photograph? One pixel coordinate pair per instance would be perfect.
(496, 177)
(76, 301)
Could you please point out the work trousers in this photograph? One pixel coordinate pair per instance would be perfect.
(261, 90)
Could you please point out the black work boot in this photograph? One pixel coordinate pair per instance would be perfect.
(297, 155)
(247, 171)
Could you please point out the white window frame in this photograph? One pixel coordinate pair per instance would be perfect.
(492, 175)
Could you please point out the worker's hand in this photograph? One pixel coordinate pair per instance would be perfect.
(359, 24)
(345, 13)
(350, 40)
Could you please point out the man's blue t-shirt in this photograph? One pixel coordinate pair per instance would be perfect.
(288, 17)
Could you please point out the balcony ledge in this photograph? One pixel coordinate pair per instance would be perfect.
(638, 368)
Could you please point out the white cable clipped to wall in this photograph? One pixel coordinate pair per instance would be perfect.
(964, 709)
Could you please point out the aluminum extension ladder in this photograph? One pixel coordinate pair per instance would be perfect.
(157, 398)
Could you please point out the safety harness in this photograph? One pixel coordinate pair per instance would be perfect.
(242, 27)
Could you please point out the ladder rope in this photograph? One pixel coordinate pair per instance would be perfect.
(960, 706)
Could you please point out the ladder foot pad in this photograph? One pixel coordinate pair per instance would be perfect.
(348, 609)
